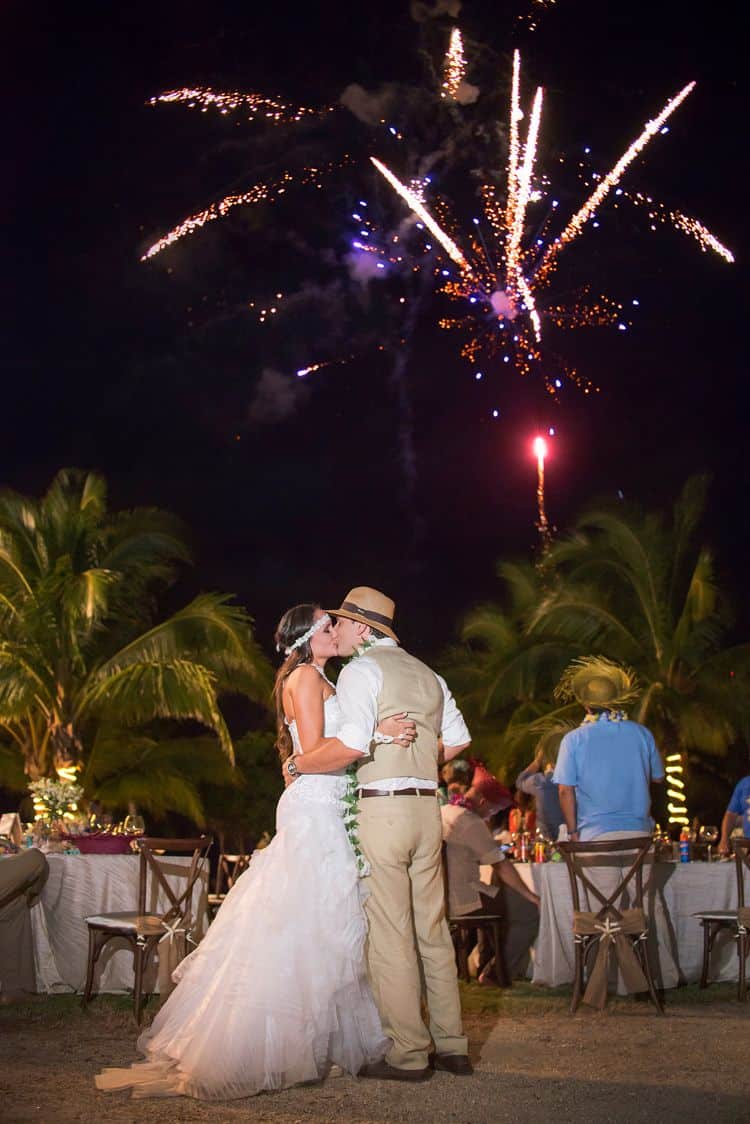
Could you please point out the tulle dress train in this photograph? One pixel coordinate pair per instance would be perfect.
(277, 992)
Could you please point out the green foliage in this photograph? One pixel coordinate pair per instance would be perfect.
(625, 585)
(81, 648)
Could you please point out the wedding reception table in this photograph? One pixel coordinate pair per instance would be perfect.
(683, 889)
(80, 886)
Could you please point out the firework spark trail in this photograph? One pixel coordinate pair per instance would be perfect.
(421, 211)
(659, 212)
(512, 257)
(259, 193)
(576, 224)
(454, 66)
(270, 109)
(515, 116)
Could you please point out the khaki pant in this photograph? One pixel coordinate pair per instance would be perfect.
(409, 947)
(21, 877)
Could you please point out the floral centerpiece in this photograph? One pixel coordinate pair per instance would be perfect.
(55, 799)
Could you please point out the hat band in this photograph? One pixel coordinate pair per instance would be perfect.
(376, 618)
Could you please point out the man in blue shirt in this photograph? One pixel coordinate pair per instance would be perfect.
(536, 780)
(738, 812)
(606, 765)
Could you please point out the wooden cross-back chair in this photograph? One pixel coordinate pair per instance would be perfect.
(228, 870)
(140, 928)
(611, 927)
(462, 929)
(737, 921)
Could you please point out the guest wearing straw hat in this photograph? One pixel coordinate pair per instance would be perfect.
(605, 766)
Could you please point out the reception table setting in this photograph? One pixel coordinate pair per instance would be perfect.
(79, 886)
(674, 892)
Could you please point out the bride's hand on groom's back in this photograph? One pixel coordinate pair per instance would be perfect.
(400, 727)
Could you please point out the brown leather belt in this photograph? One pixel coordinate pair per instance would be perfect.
(397, 792)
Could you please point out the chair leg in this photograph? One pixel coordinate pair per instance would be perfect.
(706, 926)
(463, 953)
(641, 947)
(577, 978)
(139, 956)
(501, 968)
(93, 956)
(743, 947)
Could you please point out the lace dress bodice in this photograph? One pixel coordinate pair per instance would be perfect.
(328, 787)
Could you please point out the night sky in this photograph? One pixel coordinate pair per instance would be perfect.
(150, 373)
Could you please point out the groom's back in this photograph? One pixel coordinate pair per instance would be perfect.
(408, 685)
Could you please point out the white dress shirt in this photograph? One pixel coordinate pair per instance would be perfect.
(357, 690)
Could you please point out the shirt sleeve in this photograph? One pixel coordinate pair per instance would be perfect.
(477, 838)
(528, 782)
(654, 757)
(736, 803)
(454, 731)
(357, 691)
(565, 769)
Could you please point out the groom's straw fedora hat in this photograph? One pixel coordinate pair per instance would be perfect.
(368, 606)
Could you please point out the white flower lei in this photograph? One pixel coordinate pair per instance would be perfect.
(606, 716)
(350, 799)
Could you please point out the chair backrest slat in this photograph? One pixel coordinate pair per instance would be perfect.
(741, 848)
(573, 853)
(179, 903)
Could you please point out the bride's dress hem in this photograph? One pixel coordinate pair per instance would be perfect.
(277, 992)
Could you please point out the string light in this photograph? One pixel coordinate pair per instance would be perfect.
(678, 813)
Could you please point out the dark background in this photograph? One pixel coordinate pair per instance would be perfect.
(150, 375)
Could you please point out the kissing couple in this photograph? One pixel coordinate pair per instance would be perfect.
(321, 952)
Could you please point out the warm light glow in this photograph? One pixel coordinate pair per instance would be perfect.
(540, 448)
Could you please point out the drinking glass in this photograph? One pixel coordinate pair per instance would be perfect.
(133, 825)
(709, 835)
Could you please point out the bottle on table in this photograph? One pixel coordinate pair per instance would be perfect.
(524, 856)
(685, 845)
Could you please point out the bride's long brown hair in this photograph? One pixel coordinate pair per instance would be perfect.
(295, 622)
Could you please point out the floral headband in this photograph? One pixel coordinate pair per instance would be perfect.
(321, 622)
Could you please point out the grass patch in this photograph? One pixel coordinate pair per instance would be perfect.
(525, 998)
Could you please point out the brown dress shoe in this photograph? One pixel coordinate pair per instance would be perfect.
(385, 1072)
(457, 1064)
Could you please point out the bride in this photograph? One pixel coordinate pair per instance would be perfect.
(276, 993)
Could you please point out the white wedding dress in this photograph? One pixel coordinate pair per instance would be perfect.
(276, 993)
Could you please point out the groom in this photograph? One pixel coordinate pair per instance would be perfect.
(400, 833)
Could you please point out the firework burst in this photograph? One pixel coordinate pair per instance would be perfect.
(502, 278)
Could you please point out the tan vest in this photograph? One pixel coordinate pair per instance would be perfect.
(408, 685)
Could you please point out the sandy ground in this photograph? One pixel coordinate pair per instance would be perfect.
(533, 1063)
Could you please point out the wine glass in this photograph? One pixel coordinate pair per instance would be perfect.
(709, 835)
(133, 825)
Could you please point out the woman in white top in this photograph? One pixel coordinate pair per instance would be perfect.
(277, 994)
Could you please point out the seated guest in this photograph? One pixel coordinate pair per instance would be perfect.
(523, 816)
(455, 776)
(536, 780)
(469, 845)
(605, 766)
(737, 813)
(21, 878)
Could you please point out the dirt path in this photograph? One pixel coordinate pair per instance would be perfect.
(624, 1065)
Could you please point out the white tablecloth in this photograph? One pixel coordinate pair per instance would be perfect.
(80, 886)
(684, 888)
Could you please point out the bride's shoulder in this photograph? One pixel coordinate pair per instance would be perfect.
(305, 675)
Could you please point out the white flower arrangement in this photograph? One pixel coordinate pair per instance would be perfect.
(54, 798)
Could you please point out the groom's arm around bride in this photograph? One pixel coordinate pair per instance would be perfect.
(400, 833)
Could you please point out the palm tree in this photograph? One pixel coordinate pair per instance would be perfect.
(637, 588)
(80, 642)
